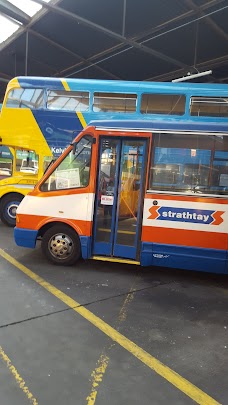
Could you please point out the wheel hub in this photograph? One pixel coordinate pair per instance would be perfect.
(60, 246)
(11, 209)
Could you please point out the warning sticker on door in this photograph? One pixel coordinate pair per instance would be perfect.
(107, 199)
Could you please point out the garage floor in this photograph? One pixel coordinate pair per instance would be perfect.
(159, 335)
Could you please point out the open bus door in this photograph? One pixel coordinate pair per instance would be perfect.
(120, 187)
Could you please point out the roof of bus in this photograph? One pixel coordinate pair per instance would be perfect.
(117, 85)
(164, 125)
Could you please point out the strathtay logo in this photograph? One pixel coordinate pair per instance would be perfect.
(186, 215)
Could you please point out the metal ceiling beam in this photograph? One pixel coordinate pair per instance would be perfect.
(64, 49)
(154, 30)
(46, 65)
(4, 77)
(13, 12)
(208, 64)
(110, 33)
(23, 28)
(209, 20)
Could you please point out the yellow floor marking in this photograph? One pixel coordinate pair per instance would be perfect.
(18, 378)
(161, 369)
(123, 312)
(98, 374)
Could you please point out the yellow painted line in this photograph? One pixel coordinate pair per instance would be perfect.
(114, 260)
(161, 369)
(65, 85)
(97, 376)
(81, 119)
(18, 378)
(123, 312)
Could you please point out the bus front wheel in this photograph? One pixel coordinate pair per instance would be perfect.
(8, 208)
(61, 245)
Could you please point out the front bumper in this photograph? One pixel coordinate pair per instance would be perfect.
(25, 237)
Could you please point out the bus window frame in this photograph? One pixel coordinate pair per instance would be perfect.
(194, 191)
(113, 111)
(42, 107)
(47, 89)
(57, 162)
(163, 114)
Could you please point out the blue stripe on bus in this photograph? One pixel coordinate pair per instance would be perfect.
(164, 125)
(59, 128)
(184, 257)
(41, 82)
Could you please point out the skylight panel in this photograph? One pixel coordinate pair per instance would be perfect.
(8, 27)
(28, 6)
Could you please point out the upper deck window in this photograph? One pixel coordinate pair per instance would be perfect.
(25, 98)
(170, 104)
(209, 106)
(114, 102)
(68, 100)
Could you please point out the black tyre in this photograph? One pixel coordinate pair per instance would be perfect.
(61, 245)
(8, 208)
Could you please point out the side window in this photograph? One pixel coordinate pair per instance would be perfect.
(209, 106)
(170, 104)
(74, 170)
(114, 102)
(190, 163)
(25, 98)
(27, 161)
(68, 100)
(6, 162)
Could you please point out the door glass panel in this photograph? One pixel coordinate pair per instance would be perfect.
(107, 185)
(129, 192)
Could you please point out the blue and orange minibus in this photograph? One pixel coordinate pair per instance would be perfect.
(53, 112)
(148, 193)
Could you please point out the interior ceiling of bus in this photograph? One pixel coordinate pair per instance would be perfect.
(149, 40)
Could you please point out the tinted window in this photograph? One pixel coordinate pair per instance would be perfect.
(114, 102)
(190, 163)
(162, 104)
(68, 100)
(209, 106)
(25, 98)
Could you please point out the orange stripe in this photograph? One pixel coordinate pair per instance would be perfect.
(184, 237)
(186, 198)
(36, 222)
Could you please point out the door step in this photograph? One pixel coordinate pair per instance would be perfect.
(115, 260)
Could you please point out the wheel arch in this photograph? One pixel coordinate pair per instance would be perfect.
(15, 193)
(56, 221)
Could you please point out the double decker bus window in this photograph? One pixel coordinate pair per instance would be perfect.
(68, 100)
(25, 98)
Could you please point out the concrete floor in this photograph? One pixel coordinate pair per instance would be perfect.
(179, 317)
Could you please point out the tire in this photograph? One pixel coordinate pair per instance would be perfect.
(8, 207)
(61, 245)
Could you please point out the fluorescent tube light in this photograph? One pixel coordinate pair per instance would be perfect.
(194, 76)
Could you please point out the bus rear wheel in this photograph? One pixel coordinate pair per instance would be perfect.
(8, 208)
(61, 245)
